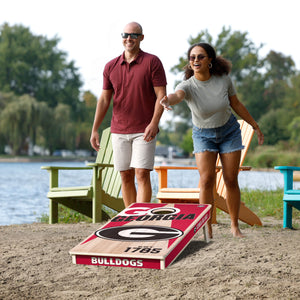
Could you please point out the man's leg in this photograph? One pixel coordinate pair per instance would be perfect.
(122, 149)
(144, 185)
(128, 187)
(143, 162)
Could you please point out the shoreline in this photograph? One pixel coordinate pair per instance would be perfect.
(175, 161)
(20, 159)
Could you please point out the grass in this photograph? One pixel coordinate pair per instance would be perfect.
(263, 203)
(66, 215)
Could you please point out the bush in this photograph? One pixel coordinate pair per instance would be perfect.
(269, 157)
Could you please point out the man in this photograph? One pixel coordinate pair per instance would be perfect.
(137, 82)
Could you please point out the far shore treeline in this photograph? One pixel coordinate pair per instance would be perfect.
(43, 106)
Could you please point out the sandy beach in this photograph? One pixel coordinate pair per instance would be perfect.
(35, 264)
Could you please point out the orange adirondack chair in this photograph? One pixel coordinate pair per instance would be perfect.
(191, 195)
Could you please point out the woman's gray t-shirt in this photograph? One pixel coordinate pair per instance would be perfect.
(208, 100)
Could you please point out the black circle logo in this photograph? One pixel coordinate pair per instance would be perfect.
(138, 233)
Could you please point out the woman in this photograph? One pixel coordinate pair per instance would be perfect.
(210, 95)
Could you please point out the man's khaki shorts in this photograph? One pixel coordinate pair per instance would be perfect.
(132, 151)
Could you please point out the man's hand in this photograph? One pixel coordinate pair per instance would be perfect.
(150, 133)
(94, 140)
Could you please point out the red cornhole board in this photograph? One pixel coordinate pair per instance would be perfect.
(144, 235)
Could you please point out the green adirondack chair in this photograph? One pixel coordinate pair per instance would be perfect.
(89, 200)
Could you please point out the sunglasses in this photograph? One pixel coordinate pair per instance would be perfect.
(132, 35)
(199, 57)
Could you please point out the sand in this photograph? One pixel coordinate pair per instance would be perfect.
(35, 264)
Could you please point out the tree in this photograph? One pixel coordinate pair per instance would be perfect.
(250, 92)
(63, 130)
(291, 100)
(274, 126)
(279, 69)
(294, 128)
(278, 66)
(19, 121)
(34, 65)
(187, 142)
(241, 51)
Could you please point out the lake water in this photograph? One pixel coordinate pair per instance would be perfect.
(24, 186)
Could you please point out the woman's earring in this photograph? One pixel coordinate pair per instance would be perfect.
(190, 67)
(209, 65)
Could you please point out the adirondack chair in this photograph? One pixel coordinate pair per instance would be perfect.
(291, 196)
(89, 200)
(191, 195)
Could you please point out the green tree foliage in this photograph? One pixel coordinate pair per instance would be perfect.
(291, 100)
(40, 97)
(19, 121)
(274, 126)
(187, 142)
(278, 67)
(250, 92)
(241, 51)
(294, 129)
(34, 65)
(64, 130)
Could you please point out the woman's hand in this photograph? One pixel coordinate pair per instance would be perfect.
(260, 136)
(165, 103)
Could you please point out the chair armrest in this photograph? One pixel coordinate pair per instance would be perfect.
(100, 165)
(287, 168)
(50, 168)
(245, 168)
(287, 172)
(175, 168)
(54, 171)
(163, 173)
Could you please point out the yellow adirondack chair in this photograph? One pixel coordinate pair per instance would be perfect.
(191, 195)
(89, 200)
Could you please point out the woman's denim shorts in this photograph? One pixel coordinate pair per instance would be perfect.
(224, 139)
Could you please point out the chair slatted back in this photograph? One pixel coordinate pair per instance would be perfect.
(247, 134)
(111, 179)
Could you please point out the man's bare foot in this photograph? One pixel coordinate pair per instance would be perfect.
(236, 232)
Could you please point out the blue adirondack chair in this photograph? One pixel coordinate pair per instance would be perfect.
(291, 196)
(89, 200)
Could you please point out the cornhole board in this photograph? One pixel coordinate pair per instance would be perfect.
(144, 235)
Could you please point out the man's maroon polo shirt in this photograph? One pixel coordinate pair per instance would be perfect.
(134, 96)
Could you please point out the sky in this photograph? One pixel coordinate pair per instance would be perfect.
(90, 30)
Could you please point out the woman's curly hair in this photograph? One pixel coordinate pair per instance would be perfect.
(220, 65)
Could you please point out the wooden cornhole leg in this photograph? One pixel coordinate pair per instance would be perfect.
(205, 233)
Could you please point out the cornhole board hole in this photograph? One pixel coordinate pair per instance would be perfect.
(144, 235)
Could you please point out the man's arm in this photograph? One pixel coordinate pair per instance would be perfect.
(152, 129)
(101, 110)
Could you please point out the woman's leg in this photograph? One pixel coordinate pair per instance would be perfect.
(230, 164)
(206, 163)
